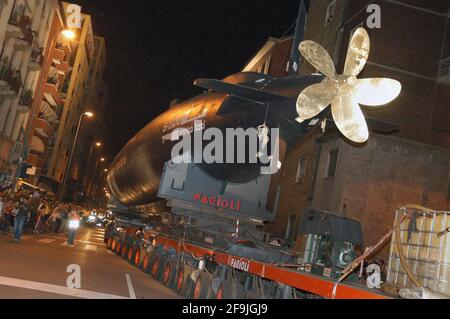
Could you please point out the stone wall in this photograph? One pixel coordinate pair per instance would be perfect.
(386, 173)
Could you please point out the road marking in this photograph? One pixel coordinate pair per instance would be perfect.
(91, 247)
(83, 241)
(130, 287)
(59, 290)
(46, 240)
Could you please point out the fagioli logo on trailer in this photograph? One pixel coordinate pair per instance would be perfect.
(240, 264)
(218, 202)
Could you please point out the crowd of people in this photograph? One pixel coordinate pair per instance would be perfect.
(32, 211)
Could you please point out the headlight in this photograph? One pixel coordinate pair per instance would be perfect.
(74, 224)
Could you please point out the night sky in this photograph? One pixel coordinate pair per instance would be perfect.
(157, 48)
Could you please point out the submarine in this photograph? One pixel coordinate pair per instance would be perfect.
(242, 100)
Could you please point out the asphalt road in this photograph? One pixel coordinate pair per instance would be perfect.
(37, 268)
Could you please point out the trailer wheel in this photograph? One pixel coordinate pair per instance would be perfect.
(147, 262)
(158, 265)
(113, 245)
(118, 248)
(124, 252)
(230, 290)
(108, 246)
(130, 254)
(185, 285)
(202, 286)
(137, 258)
(170, 272)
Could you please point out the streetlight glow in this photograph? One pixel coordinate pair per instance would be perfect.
(102, 159)
(69, 34)
(89, 114)
(98, 144)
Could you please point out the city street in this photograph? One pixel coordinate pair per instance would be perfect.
(224, 150)
(36, 268)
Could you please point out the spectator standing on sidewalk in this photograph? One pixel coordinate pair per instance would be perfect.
(74, 223)
(35, 203)
(64, 217)
(21, 217)
(7, 212)
(2, 216)
(40, 219)
(55, 219)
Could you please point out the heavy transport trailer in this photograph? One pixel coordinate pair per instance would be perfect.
(199, 271)
(195, 249)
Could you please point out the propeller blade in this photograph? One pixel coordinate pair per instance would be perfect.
(349, 118)
(314, 99)
(357, 53)
(318, 57)
(376, 91)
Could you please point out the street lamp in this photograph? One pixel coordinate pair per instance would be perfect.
(69, 34)
(63, 188)
(88, 177)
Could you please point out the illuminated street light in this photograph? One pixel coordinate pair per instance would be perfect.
(98, 144)
(67, 172)
(102, 159)
(69, 34)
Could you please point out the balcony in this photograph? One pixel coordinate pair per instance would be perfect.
(36, 59)
(36, 160)
(43, 127)
(10, 81)
(63, 66)
(27, 98)
(58, 55)
(19, 26)
(52, 95)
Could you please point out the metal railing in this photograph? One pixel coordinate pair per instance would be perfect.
(22, 21)
(10, 76)
(37, 56)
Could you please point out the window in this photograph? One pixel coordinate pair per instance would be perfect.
(291, 228)
(301, 170)
(332, 162)
(331, 9)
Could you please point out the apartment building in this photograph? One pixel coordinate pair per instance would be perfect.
(87, 167)
(368, 182)
(49, 99)
(73, 99)
(24, 30)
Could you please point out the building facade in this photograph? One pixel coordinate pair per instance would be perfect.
(24, 30)
(88, 169)
(77, 89)
(47, 82)
(368, 182)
